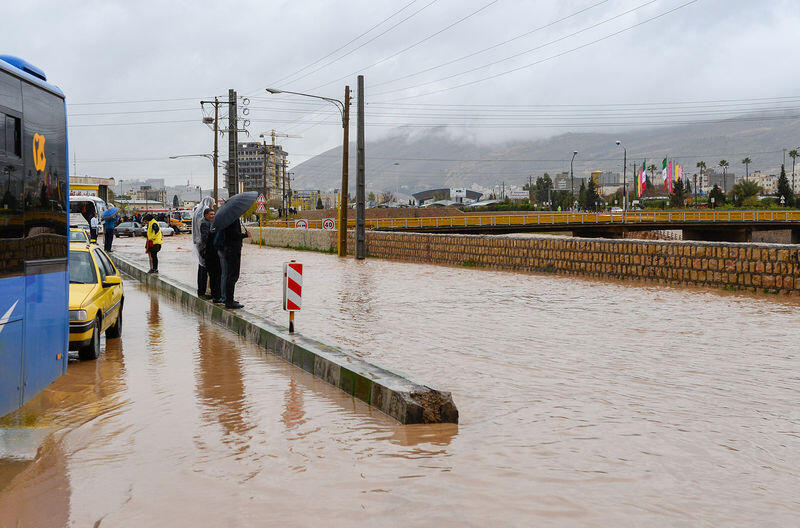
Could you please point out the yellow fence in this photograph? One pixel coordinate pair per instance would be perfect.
(545, 219)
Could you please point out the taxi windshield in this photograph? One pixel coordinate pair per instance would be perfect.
(81, 268)
(78, 236)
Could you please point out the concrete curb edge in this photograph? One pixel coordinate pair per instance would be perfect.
(401, 398)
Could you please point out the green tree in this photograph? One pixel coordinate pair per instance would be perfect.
(718, 196)
(543, 188)
(744, 190)
(793, 154)
(784, 189)
(592, 198)
(678, 195)
(652, 168)
(746, 162)
(319, 203)
(371, 197)
(582, 195)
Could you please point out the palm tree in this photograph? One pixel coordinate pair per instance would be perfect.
(747, 162)
(724, 164)
(793, 154)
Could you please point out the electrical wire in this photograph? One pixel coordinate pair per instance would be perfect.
(462, 19)
(540, 61)
(342, 46)
(484, 50)
(365, 43)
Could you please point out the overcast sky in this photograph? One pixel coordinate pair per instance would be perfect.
(116, 51)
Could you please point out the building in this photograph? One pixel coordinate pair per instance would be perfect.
(86, 186)
(711, 178)
(563, 182)
(455, 195)
(768, 181)
(262, 168)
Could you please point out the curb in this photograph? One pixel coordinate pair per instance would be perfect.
(404, 400)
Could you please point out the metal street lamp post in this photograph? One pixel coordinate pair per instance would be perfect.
(344, 110)
(624, 176)
(572, 174)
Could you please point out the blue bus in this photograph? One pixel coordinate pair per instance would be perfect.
(34, 241)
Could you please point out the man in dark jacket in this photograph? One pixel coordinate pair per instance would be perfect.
(229, 248)
(210, 267)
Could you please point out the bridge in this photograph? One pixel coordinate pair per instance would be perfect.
(712, 225)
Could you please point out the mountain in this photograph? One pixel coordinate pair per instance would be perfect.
(407, 162)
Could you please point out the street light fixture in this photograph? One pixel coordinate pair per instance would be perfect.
(624, 176)
(344, 111)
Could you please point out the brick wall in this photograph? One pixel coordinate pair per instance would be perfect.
(754, 267)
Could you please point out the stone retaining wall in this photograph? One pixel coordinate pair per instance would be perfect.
(316, 239)
(770, 268)
(773, 268)
(401, 398)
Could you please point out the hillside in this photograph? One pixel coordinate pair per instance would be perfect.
(408, 163)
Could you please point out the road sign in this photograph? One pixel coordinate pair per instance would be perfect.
(261, 198)
(261, 209)
(329, 224)
(301, 223)
(292, 286)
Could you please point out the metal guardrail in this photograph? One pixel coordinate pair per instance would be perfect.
(566, 218)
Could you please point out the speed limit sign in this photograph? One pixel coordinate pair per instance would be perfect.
(329, 224)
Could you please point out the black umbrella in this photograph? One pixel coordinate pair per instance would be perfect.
(232, 209)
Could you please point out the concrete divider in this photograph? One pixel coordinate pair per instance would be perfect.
(404, 400)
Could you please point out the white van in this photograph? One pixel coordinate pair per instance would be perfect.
(87, 205)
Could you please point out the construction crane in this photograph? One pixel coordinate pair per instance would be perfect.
(277, 180)
(275, 134)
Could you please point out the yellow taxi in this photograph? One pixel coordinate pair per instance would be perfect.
(96, 299)
(78, 235)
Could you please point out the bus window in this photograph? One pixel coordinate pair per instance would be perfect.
(45, 181)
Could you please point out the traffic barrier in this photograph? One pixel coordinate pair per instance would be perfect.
(292, 290)
(405, 400)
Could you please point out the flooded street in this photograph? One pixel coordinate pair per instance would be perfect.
(581, 403)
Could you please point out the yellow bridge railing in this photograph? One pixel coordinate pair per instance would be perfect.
(546, 219)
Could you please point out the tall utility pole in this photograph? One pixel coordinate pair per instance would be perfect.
(233, 143)
(215, 156)
(264, 169)
(345, 163)
(530, 187)
(283, 201)
(360, 168)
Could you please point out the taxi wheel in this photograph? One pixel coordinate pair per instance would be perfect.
(92, 350)
(115, 330)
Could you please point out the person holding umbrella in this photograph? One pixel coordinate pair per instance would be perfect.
(110, 217)
(228, 241)
(199, 224)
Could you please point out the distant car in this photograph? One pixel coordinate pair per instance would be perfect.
(165, 229)
(131, 229)
(78, 235)
(96, 299)
(616, 209)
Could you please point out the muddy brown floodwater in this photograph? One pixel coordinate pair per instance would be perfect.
(582, 404)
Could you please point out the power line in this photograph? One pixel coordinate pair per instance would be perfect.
(462, 19)
(365, 43)
(342, 46)
(606, 37)
(484, 50)
(526, 52)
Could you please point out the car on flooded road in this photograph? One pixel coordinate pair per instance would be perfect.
(130, 229)
(165, 229)
(96, 299)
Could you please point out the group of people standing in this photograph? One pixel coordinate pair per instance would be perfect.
(219, 254)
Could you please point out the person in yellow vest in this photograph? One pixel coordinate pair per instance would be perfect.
(153, 243)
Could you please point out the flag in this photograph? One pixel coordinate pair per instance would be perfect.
(670, 177)
(643, 178)
(664, 172)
